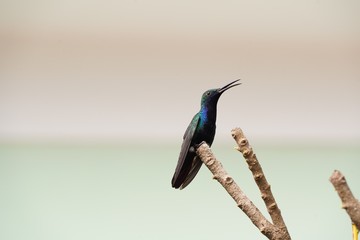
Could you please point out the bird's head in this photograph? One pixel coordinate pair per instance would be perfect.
(212, 96)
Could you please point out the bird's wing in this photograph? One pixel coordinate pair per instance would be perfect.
(189, 133)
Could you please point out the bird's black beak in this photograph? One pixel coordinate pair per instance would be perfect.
(228, 86)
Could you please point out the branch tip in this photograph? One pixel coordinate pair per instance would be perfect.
(348, 201)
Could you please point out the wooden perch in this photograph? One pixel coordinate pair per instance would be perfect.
(259, 177)
(349, 202)
(274, 231)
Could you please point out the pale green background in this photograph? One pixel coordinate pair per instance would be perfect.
(95, 97)
(123, 192)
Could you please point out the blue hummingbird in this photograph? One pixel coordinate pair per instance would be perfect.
(201, 128)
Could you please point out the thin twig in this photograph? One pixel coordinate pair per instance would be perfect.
(349, 202)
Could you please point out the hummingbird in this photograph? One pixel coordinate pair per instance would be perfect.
(201, 128)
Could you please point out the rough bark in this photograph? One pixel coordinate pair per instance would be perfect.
(349, 202)
(259, 177)
(277, 229)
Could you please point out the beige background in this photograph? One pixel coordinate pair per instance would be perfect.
(124, 69)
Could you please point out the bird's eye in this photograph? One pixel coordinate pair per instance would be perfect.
(207, 93)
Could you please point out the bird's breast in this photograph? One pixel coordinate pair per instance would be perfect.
(205, 133)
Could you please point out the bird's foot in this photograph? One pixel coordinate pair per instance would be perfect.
(196, 146)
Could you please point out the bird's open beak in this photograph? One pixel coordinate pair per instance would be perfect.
(228, 86)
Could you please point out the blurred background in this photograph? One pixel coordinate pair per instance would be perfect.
(96, 95)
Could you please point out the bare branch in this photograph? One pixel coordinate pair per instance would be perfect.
(349, 202)
(271, 231)
(259, 177)
(242, 201)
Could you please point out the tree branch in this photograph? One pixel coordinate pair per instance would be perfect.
(259, 177)
(275, 231)
(349, 202)
(242, 201)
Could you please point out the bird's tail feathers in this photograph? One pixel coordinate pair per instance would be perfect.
(193, 171)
